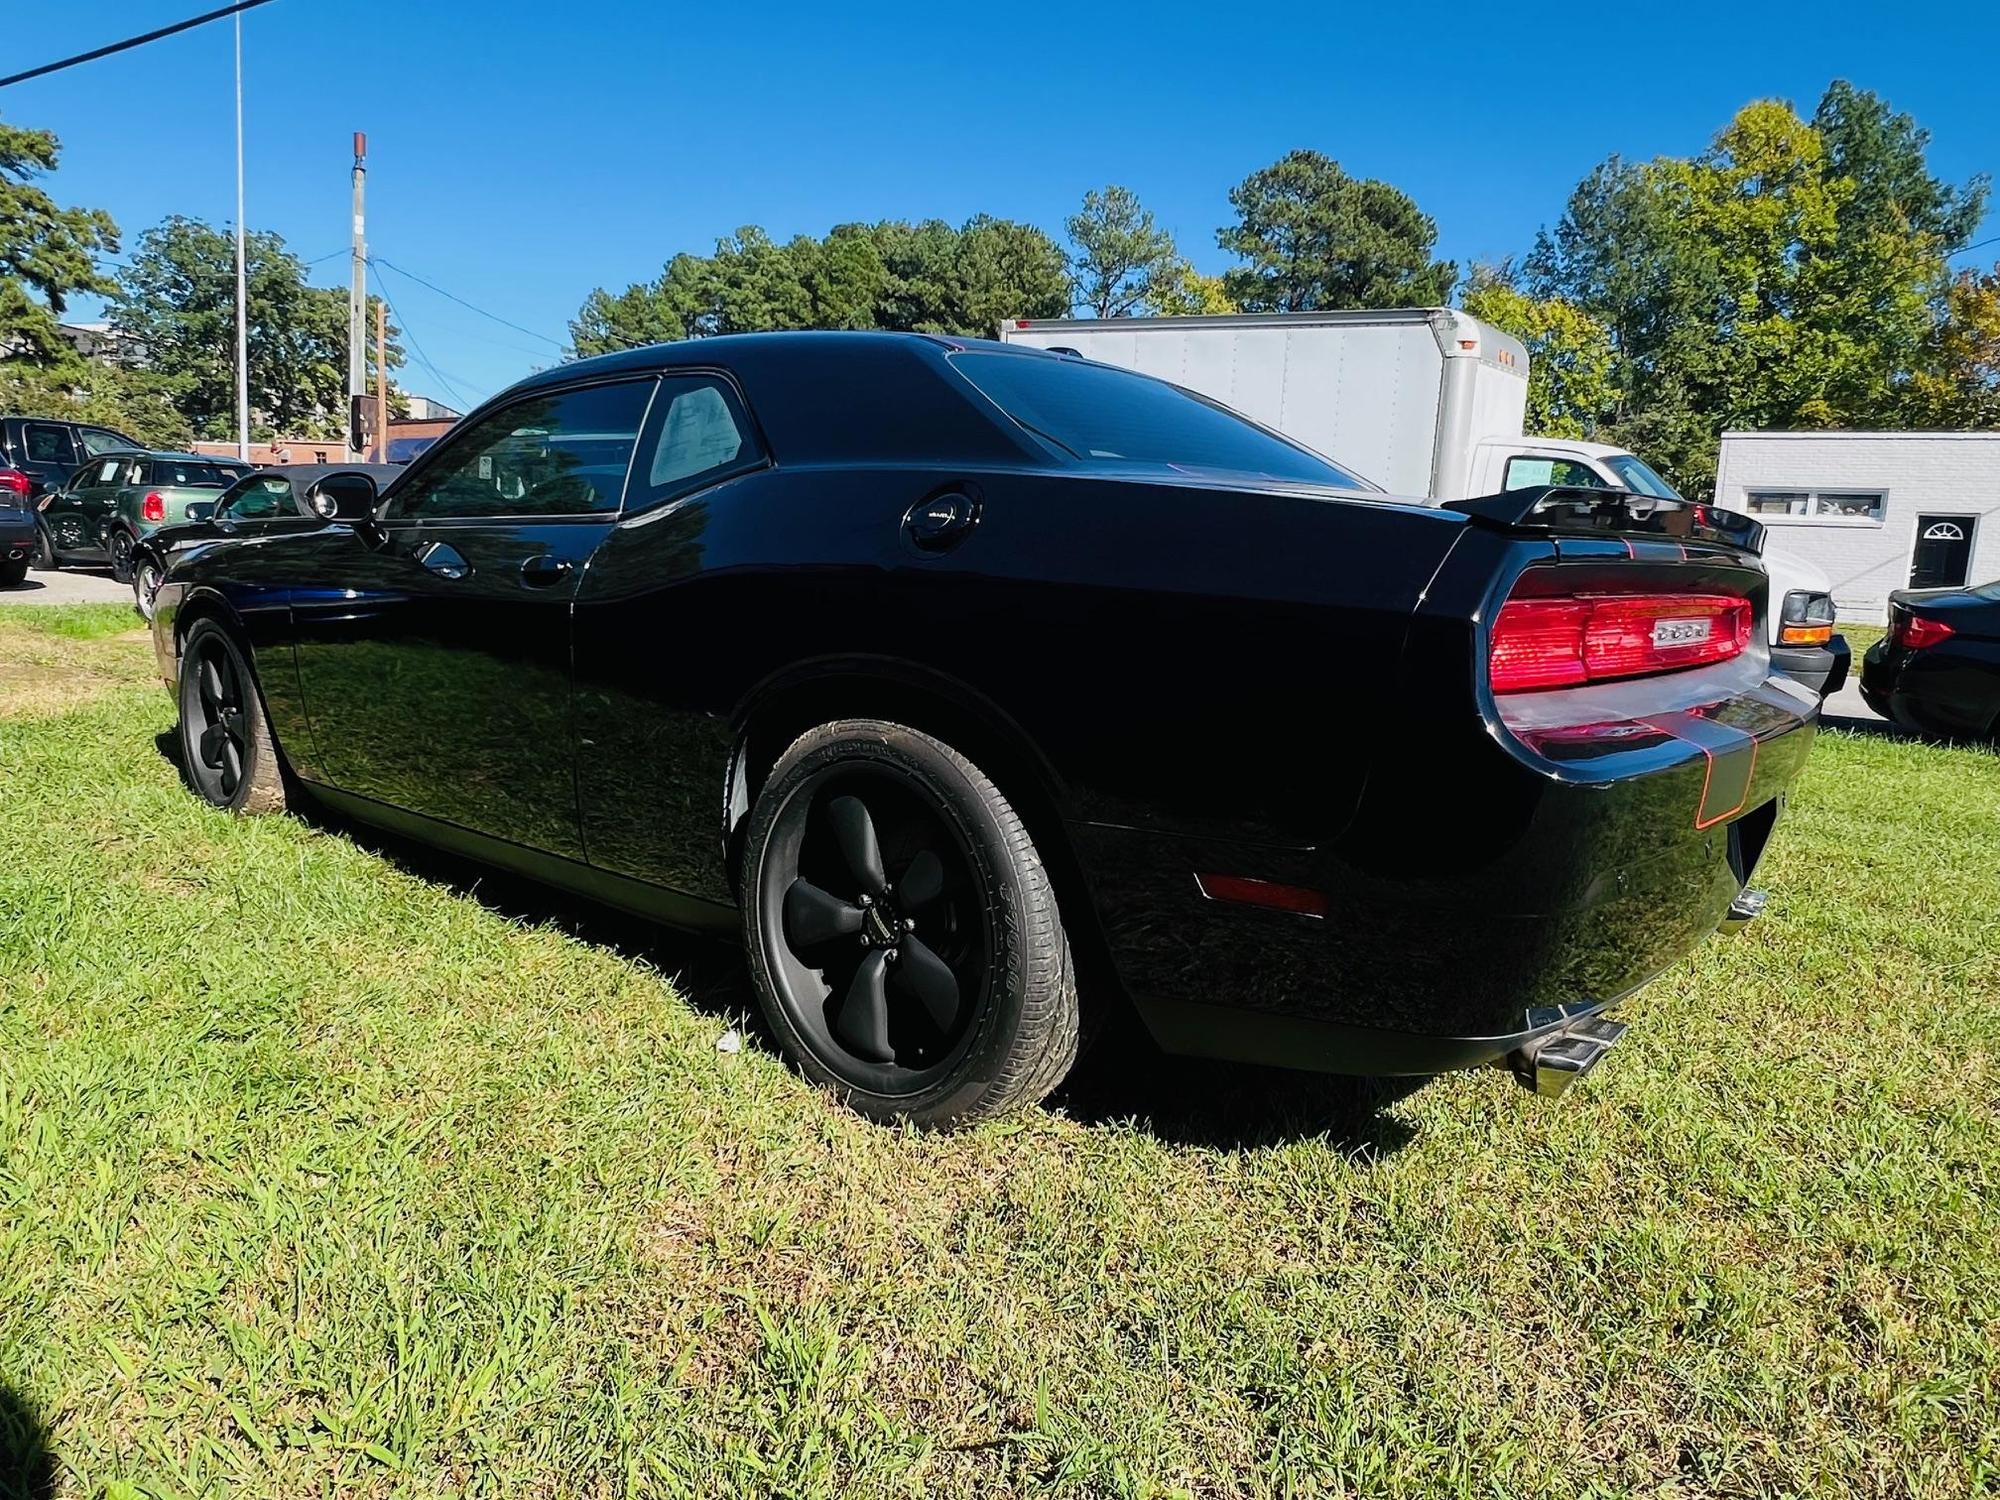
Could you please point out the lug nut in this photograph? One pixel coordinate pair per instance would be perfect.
(891, 955)
(867, 900)
(864, 940)
(909, 924)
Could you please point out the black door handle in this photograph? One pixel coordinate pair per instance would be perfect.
(540, 571)
(941, 521)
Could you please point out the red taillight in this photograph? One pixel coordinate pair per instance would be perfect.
(154, 506)
(1914, 632)
(13, 481)
(1559, 642)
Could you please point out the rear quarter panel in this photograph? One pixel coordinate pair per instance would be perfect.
(1180, 659)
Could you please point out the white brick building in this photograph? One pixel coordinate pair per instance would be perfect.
(1876, 510)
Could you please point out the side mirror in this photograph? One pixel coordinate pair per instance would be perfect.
(201, 510)
(343, 497)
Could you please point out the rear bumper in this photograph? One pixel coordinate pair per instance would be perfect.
(17, 534)
(1486, 894)
(1824, 669)
(1951, 690)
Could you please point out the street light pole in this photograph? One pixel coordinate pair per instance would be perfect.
(242, 280)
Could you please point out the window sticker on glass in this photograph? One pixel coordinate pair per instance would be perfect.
(485, 466)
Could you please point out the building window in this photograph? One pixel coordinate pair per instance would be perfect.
(1850, 506)
(1858, 506)
(1777, 502)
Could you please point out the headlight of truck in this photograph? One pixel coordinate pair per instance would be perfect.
(1807, 619)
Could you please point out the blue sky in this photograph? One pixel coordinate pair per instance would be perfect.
(523, 153)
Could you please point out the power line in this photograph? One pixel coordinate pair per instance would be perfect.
(1966, 249)
(377, 260)
(132, 41)
(418, 349)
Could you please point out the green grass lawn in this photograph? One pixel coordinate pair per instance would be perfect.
(328, 1172)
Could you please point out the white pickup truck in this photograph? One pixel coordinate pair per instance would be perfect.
(1425, 401)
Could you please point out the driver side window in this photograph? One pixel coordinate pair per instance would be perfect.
(562, 454)
(260, 498)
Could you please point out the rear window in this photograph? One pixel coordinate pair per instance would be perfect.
(1108, 415)
(183, 474)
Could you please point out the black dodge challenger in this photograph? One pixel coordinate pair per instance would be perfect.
(1937, 670)
(952, 672)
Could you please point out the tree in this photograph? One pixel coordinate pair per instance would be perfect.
(1316, 238)
(1571, 385)
(176, 303)
(1959, 384)
(1792, 275)
(47, 254)
(1122, 260)
(134, 402)
(1184, 291)
(927, 277)
(1882, 152)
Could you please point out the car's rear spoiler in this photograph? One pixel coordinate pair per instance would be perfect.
(1571, 508)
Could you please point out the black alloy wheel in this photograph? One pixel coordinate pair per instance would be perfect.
(226, 744)
(118, 547)
(903, 933)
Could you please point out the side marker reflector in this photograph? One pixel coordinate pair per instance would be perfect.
(1244, 891)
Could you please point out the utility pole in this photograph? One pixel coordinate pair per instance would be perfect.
(381, 381)
(357, 292)
(242, 279)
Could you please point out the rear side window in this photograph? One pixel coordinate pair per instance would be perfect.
(1106, 415)
(102, 440)
(47, 443)
(698, 434)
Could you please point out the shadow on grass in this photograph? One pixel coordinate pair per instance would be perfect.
(1187, 1101)
(1124, 1080)
(1879, 728)
(27, 1466)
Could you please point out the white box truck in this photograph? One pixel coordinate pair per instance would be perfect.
(1426, 402)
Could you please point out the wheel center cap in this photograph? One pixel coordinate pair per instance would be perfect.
(879, 925)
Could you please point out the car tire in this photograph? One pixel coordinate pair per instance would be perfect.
(146, 574)
(45, 550)
(946, 996)
(227, 752)
(13, 572)
(118, 546)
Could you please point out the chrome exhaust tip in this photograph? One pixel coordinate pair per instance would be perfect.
(1745, 909)
(1550, 1065)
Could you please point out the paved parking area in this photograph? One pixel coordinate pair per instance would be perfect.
(69, 586)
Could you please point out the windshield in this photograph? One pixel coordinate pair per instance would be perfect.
(1640, 478)
(1109, 415)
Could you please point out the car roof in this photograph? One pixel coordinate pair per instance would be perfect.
(831, 396)
(176, 454)
(727, 348)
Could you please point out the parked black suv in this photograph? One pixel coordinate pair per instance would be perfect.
(48, 451)
(37, 457)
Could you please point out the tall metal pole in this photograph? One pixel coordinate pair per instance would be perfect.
(357, 291)
(242, 277)
(381, 454)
